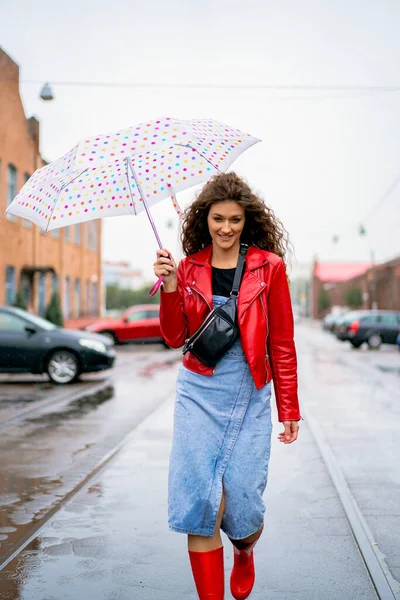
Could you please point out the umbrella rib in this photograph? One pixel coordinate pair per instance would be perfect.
(200, 154)
(145, 206)
(129, 186)
(61, 189)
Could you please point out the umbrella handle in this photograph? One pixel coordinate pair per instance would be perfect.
(156, 286)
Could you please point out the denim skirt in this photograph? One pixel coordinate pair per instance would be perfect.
(221, 442)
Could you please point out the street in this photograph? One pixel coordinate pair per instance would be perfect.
(83, 483)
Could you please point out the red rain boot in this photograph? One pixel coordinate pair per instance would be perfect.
(208, 573)
(243, 573)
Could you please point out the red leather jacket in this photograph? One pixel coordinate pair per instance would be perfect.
(264, 314)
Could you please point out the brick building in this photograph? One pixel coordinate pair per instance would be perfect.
(327, 278)
(379, 284)
(66, 259)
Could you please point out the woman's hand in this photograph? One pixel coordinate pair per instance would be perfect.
(166, 266)
(290, 432)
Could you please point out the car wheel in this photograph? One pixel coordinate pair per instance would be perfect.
(62, 367)
(356, 344)
(110, 335)
(374, 341)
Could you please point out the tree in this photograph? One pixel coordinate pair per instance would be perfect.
(354, 297)
(121, 298)
(19, 300)
(324, 301)
(53, 311)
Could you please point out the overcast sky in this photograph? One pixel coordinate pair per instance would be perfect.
(326, 157)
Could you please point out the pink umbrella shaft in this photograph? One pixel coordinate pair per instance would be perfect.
(156, 286)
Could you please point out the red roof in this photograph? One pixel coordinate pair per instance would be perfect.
(339, 271)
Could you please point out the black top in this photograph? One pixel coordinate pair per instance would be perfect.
(222, 281)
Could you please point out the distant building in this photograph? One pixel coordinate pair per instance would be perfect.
(299, 276)
(67, 259)
(122, 274)
(324, 280)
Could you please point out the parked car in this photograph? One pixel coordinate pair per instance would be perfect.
(338, 322)
(398, 341)
(140, 323)
(329, 321)
(375, 327)
(30, 344)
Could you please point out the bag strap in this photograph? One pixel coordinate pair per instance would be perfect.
(239, 269)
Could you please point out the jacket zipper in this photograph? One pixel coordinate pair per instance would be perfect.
(200, 331)
(266, 337)
(205, 300)
(200, 294)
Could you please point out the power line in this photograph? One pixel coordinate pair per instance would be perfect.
(227, 86)
(389, 191)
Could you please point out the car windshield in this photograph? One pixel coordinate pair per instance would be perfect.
(35, 320)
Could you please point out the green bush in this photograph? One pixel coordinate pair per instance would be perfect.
(53, 311)
(324, 302)
(120, 298)
(354, 297)
(19, 300)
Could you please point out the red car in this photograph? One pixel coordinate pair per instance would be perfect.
(140, 323)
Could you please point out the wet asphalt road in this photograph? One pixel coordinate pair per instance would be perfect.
(49, 447)
(111, 541)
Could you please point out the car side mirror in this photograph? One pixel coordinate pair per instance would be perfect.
(125, 320)
(30, 330)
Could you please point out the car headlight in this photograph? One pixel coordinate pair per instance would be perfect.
(93, 345)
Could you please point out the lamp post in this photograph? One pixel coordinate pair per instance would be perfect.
(374, 303)
(362, 231)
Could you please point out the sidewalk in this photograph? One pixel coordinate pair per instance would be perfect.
(111, 542)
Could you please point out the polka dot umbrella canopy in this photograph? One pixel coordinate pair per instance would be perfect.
(126, 172)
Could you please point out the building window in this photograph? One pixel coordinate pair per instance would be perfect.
(94, 236)
(94, 300)
(10, 285)
(67, 292)
(77, 298)
(26, 288)
(87, 297)
(26, 222)
(54, 283)
(86, 234)
(42, 294)
(78, 234)
(11, 189)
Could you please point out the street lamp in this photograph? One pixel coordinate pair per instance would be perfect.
(362, 231)
(374, 303)
(46, 93)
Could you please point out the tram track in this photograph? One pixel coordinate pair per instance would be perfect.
(87, 389)
(384, 583)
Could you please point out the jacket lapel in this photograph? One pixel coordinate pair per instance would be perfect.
(251, 285)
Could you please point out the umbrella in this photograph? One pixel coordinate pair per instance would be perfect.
(103, 180)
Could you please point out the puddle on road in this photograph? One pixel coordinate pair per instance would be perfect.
(76, 408)
(23, 502)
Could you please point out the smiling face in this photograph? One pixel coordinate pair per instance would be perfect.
(226, 222)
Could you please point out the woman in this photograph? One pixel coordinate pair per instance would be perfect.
(222, 421)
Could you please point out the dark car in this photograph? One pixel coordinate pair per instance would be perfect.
(30, 344)
(375, 327)
(331, 321)
(139, 323)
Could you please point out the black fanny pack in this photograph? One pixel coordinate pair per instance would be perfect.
(220, 329)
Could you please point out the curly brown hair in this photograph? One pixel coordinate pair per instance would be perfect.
(262, 228)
